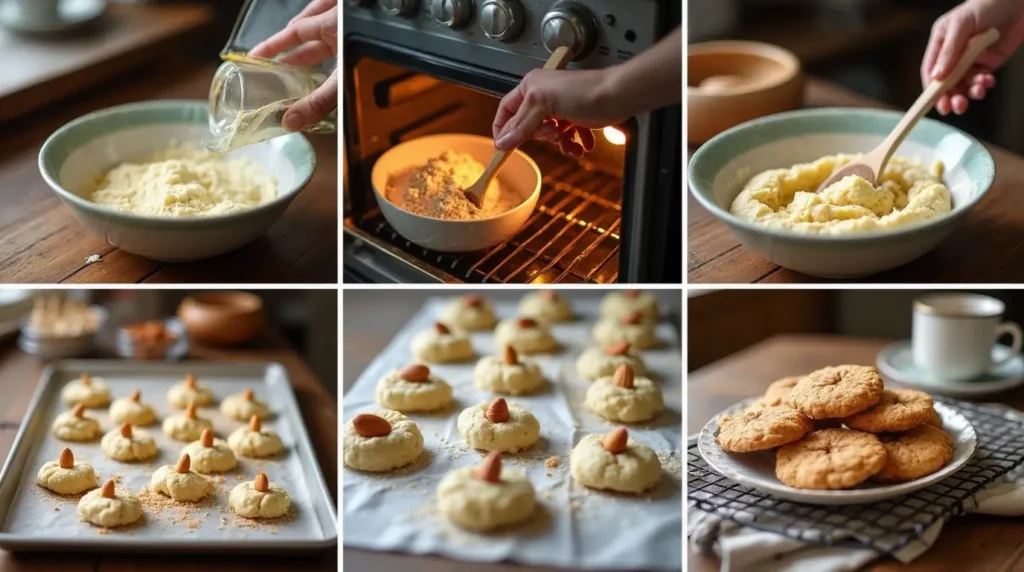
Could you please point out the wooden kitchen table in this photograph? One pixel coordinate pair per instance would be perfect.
(984, 248)
(968, 542)
(19, 374)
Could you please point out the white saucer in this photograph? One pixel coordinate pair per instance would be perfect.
(757, 470)
(71, 14)
(896, 363)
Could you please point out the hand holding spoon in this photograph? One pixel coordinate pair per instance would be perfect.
(475, 193)
(871, 165)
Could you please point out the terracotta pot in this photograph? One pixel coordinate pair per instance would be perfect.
(732, 82)
(222, 318)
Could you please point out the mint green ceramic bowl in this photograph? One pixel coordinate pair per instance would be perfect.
(722, 166)
(92, 144)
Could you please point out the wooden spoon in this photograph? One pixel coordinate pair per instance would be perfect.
(871, 166)
(475, 193)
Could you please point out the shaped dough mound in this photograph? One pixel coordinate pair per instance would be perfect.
(216, 459)
(470, 313)
(81, 477)
(123, 509)
(255, 444)
(139, 447)
(92, 394)
(594, 363)
(632, 471)
(536, 339)
(241, 408)
(182, 428)
(182, 487)
(431, 346)
(182, 393)
(396, 393)
(246, 501)
(493, 374)
(69, 427)
(127, 410)
(610, 331)
(476, 504)
(378, 454)
(519, 432)
(642, 402)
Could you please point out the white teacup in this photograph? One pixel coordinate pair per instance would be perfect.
(954, 333)
(38, 11)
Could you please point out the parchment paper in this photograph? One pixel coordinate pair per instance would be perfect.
(573, 526)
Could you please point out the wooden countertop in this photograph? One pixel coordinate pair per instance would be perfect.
(19, 373)
(964, 539)
(984, 248)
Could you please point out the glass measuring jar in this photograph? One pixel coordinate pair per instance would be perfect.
(248, 100)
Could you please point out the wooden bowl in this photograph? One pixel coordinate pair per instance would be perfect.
(222, 318)
(732, 82)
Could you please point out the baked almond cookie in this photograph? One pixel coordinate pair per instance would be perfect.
(779, 390)
(547, 307)
(243, 406)
(526, 335)
(110, 506)
(132, 410)
(471, 313)
(837, 392)
(259, 498)
(624, 397)
(898, 410)
(87, 390)
(186, 426)
(631, 328)
(255, 441)
(413, 388)
(442, 344)
(187, 391)
(615, 462)
(75, 425)
(508, 374)
(596, 363)
(830, 459)
(486, 497)
(621, 304)
(761, 428)
(498, 426)
(180, 482)
(381, 441)
(66, 477)
(210, 455)
(128, 445)
(935, 420)
(917, 453)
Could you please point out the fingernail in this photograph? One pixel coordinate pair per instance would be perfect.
(292, 121)
(504, 140)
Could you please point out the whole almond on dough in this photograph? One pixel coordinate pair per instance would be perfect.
(416, 373)
(261, 483)
(86, 379)
(108, 489)
(623, 377)
(136, 395)
(549, 295)
(526, 323)
(247, 395)
(369, 425)
(190, 411)
(255, 424)
(632, 294)
(619, 349)
(511, 357)
(497, 411)
(473, 301)
(615, 442)
(207, 438)
(79, 410)
(184, 464)
(490, 469)
(126, 430)
(632, 319)
(190, 380)
(67, 459)
(441, 328)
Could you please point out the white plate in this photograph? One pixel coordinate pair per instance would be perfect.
(757, 470)
(896, 363)
(70, 15)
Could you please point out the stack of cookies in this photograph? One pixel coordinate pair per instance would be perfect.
(838, 427)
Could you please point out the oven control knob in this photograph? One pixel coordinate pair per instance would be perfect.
(399, 7)
(572, 25)
(452, 13)
(502, 19)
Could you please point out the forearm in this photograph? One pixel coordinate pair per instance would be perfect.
(651, 80)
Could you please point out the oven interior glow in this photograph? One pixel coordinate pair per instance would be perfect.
(614, 136)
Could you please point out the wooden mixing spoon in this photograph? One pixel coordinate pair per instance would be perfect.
(871, 166)
(475, 193)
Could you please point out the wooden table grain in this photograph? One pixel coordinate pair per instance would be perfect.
(969, 542)
(19, 374)
(984, 248)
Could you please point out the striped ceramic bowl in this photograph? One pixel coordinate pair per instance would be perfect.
(722, 166)
(92, 144)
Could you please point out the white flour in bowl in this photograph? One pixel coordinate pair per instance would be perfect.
(435, 189)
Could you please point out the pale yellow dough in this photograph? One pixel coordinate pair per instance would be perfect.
(594, 363)
(242, 409)
(182, 487)
(69, 427)
(533, 340)
(246, 501)
(622, 304)
(255, 444)
(632, 471)
(396, 393)
(181, 427)
(476, 504)
(180, 395)
(96, 394)
(458, 313)
(80, 477)
(642, 402)
(123, 509)
(431, 346)
(378, 454)
(610, 331)
(207, 460)
(522, 378)
(126, 410)
(519, 432)
(139, 447)
(907, 193)
(540, 306)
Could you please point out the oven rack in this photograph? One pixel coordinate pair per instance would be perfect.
(571, 237)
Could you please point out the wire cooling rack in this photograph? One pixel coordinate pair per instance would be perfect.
(884, 526)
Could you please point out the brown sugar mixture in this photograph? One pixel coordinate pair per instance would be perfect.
(435, 189)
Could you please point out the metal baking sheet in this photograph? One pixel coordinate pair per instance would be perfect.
(35, 519)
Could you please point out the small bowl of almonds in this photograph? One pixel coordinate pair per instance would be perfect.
(164, 339)
(60, 328)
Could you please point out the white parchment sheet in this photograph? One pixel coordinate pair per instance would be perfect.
(573, 526)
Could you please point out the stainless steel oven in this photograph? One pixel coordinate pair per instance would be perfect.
(416, 67)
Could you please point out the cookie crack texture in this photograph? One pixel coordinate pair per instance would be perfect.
(835, 392)
(761, 429)
(830, 459)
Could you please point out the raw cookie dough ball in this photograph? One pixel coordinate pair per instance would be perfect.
(546, 307)
(413, 388)
(181, 483)
(254, 441)
(259, 498)
(187, 391)
(88, 390)
(132, 410)
(631, 329)
(210, 455)
(186, 426)
(486, 497)
(615, 462)
(498, 426)
(526, 335)
(624, 397)
(244, 405)
(75, 425)
(472, 313)
(595, 363)
(66, 477)
(127, 444)
(381, 441)
(109, 506)
(441, 344)
(508, 374)
(622, 304)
